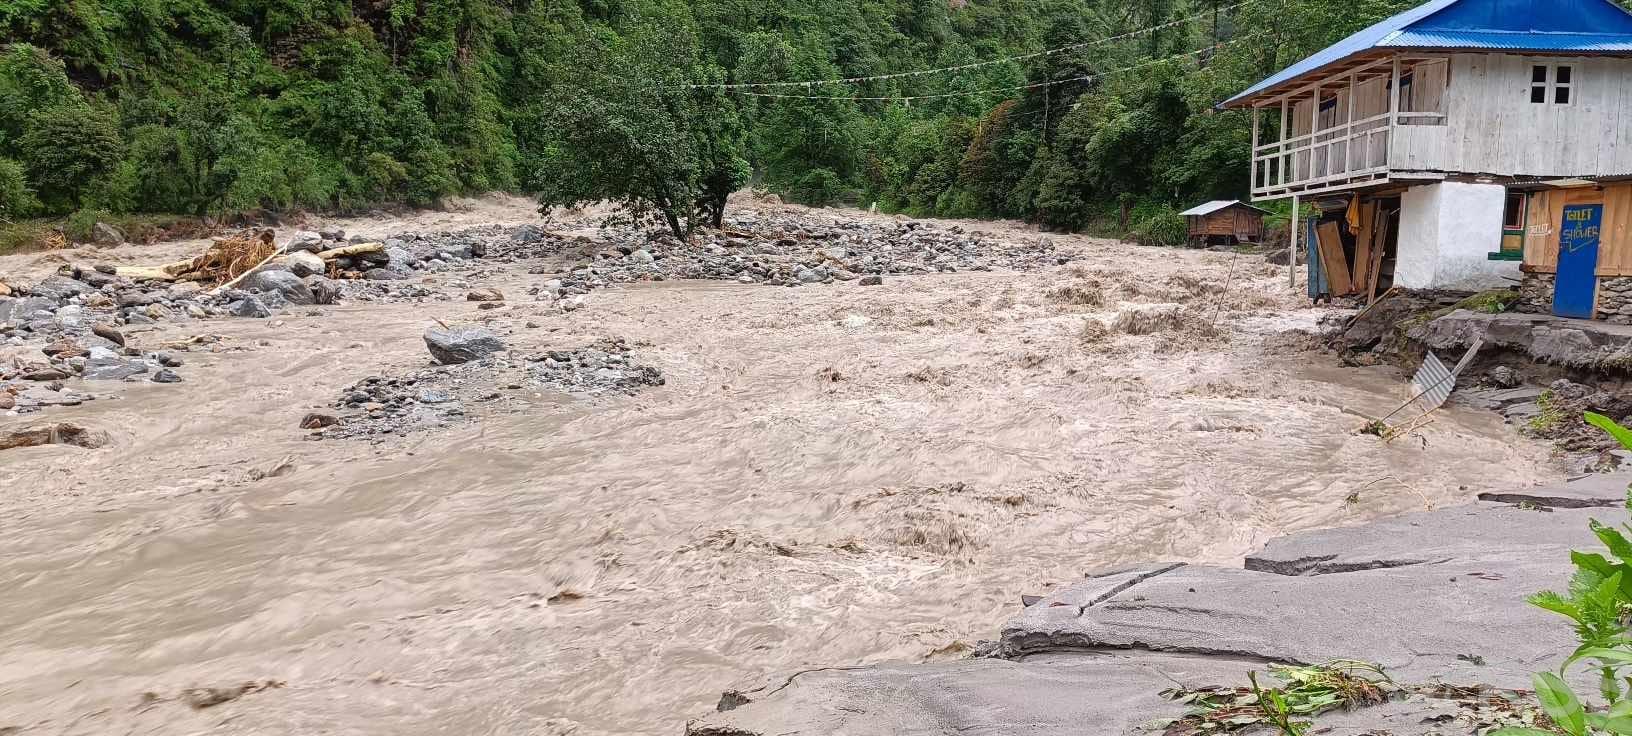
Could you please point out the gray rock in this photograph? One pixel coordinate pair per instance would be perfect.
(807, 276)
(19, 310)
(283, 283)
(183, 290)
(105, 234)
(249, 306)
(60, 288)
(435, 396)
(111, 368)
(303, 264)
(96, 279)
(384, 274)
(305, 241)
(332, 233)
(324, 290)
(165, 375)
(642, 256)
(1504, 377)
(135, 298)
(398, 257)
(873, 280)
(461, 344)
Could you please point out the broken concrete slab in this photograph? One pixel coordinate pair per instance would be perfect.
(1433, 597)
(1596, 490)
(1497, 399)
(1047, 694)
(1545, 338)
(1414, 620)
(1472, 533)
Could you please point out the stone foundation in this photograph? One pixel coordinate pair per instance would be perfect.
(1536, 293)
(1615, 299)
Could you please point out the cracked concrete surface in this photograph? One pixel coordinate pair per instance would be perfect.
(1434, 597)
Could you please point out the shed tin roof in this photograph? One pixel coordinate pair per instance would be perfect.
(1216, 205)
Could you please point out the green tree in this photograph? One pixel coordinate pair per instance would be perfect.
(67, 149)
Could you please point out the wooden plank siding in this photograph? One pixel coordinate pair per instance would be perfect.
(1493, 128)
(1547, 210)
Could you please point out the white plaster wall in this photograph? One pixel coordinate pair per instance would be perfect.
(1418, 249)
(1447, 232)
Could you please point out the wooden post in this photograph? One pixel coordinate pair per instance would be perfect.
(1281, 157)
(1348, 132)
(1253, 157)
(1292, 248)
(1394, 98)
(1314, 130)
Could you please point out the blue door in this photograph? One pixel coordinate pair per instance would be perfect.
(1577, 282)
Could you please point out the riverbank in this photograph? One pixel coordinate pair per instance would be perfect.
(1436, 598)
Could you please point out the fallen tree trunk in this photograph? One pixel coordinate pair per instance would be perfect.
(351, 250)
(166, 272)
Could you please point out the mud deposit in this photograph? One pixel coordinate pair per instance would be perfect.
(827, 474)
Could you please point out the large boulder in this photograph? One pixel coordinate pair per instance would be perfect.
(60, 288)
(105, 234)
(305, 242)
(283, 283)
(461, 344)
(303, 264)
(19, 310)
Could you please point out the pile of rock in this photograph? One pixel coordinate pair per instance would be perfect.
(474, 367)
(94, 358)
(604, 367)
(777, 249)
(379, 405)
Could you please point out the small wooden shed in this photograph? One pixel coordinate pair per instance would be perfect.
(1222, 219)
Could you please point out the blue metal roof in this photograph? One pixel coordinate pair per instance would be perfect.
(1573, 26)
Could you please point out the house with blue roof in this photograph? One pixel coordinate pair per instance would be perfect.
(1463, 143)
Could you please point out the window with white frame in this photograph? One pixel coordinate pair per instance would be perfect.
(1552, 83)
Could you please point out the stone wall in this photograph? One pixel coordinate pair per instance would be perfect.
(1615, 299)
(1536, 293)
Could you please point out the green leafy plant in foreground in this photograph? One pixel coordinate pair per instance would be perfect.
(1304, 693)
(1598, 601)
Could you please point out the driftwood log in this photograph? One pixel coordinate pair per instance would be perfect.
(347, 251)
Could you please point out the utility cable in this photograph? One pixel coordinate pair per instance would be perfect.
(967, 93)
(965, 67)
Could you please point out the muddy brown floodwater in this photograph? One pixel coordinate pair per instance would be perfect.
(831, 475)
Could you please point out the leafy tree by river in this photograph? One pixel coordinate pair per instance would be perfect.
(220, 106)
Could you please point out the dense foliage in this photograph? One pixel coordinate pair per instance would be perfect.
(205, 107)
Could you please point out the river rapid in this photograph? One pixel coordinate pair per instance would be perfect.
(830, 475)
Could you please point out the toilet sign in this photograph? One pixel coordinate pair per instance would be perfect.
(1577, 284)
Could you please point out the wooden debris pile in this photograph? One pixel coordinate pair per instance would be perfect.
(228, 257)
(233, 256)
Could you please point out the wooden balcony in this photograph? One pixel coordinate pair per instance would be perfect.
(1335, 133)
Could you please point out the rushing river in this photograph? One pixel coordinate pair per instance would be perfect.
(831, 475)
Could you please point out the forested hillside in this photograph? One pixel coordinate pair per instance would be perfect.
(222, 106)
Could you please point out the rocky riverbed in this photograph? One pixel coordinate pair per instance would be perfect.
(554, 487)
